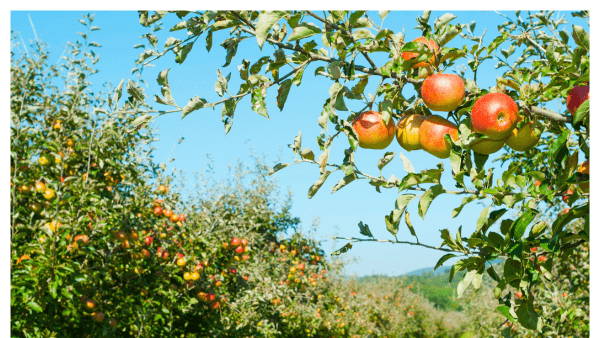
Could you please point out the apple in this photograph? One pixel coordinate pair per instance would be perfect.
(494, 115)
(81, 239)
(133, 236)
(25, 189)
(523, 139)
(487, 146)
(567, 194)
(98, 317)
(407, 132)
(181, 262)
(564, 295)
(121, 236)
(429, 43)
(187, 276)
(301, 266)
(112, 322)
(46, 160)
(49, 194)
(443, 92)
(577, 96)
(542, 258)
(157, 211)
(199, 267)
(244, 242)
(90, 304)
(182, 218)
(174, 218)
(232, 271)
(239, 249)
(245, 257)
(537, 183)
(584, 168)
(431, 135)
(195, 275)
(40, 187)
(372, 132)
(519, 294)
(148, 240)
(235, 242)
(145, 254)
(162, 189)
(167, 213)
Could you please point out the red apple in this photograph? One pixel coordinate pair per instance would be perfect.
(431, 135)
(429, 43)
(494, 115)
(372, 132)
(235, 242)
(576, 97)
(443, 92)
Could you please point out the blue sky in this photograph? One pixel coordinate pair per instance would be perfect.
(204, 134)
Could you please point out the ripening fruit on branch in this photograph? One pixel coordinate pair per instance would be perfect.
(487, 146)
(187, 276)
(577, 96)
(112, 322)
(162, 189)
(443, 92)
(89, 304)
(244, 242)
(167, 213)
(429, 43)
(519, 294)
(49, 194)
(523, 139)
(98, 317)
(121, 236)
(407, 132)
(239, 249)
(40, 187)
(195, 275)
(157, 211)
(235, 242)
(431, 136)
(584, 168)
(494, 115)
(46, 160)
(174, 218)
(181, 262)
(148, 240)
(372, 132)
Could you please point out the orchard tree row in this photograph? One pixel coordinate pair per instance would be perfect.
(544, 60)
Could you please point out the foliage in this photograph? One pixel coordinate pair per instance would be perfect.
(547, 65)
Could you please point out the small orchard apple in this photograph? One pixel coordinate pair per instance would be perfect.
(487, 146)
(407, 132)
(195, 275)
(519, 294)
(165, 255)
(158, 211)
(148, 240)
(542, 259)
(121, 236)
(245, 257)
(245, 278)
(584, 168)
(494, 115)
(232, 271)
(537, 183)
(372, 132)
(244, 242)
(174, 218)
(577, 96)
(181, 262)
(429, 43)
(431, 136)
(26, 189)
(162, 189)
(239, 249)
(133, 236)
(524, 138)
(182, 218)
(35, 207)
(40, 187)
(235, 242)
(167, 213)
(112, 322)
(90, 304)
(46, 160)
(145, 254)
(49, 194)
(81, 239)
(199, 267)
(301, 266)
(443, 92)
(293, 252)
(187, 276)
(179, 255)
(98, 317)
(564, 295)
(567, 194)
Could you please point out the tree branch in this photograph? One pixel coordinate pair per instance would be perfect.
(400, 242)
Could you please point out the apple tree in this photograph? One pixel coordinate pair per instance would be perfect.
(547, 152)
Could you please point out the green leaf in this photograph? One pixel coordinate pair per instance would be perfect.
(505, 310)
(182, 52)
(278, 167)
(449, 32)
(512, 270)
(392, 221)
(559, 143)
(483, 217)
(298, 76)
(364, 229)
(304, 30)
(581, 37)
(141, 121)
(362, 33)
(383, 14)
(538, 175)
(464, 202)
(402, 202)
(343, 182)
(342, 250)
(582, 112)
(443, 21)
(35, 306)
(265, 21)
(194, 104)
(408, 167)
(315, 187)
(409, 224)
(221, 84)
(387, 158)
(258, 101)
(456, 267)
(522, 223)
(465, 282)
(282, 93)
(442, 260)
(527, 315)
(428, 197)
